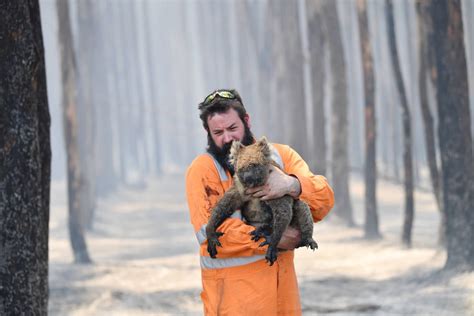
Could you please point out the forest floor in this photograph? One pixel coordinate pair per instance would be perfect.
(146, 260)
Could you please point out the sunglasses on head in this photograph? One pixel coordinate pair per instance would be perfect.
(221, 93)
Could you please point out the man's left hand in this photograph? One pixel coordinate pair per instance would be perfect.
(278, 184)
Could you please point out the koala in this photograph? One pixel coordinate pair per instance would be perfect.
(270, 218)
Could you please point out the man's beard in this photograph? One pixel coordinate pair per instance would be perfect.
(222, 154)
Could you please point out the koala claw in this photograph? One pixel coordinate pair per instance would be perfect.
(313, 245)
(266, 242)
(255, 238)
(255, 235)
(271, 255)
(309, 244)
(258, 233)
(212, 243)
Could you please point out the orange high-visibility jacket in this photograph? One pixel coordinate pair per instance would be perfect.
(239, 281)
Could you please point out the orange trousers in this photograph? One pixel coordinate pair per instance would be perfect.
(252, 289)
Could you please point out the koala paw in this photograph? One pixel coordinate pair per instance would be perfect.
(255, 235)
(271, 255)
(309, 243)
(259, 233)
(266, 242)
(212, 243)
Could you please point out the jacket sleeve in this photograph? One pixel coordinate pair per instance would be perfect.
(315, 189)
(203, 190)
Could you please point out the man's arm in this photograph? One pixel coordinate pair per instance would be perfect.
(203, 190)
(299, 182)
(315, 189)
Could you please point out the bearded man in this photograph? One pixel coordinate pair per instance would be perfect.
(238, 281)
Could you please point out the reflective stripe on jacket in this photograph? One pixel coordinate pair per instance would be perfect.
(238, 281)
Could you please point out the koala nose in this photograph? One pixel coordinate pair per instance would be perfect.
(248, 178)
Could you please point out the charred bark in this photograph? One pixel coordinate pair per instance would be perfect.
(371, 227)
(25, 161)
(265, 68)
(407, 134)
(454, 132)
(317, 51)
(427, 66)
(143, 164)
(75, 175)
(339, 122)
(87, 129)
(106, 177)
(289, 75)
(120, 91)
(152, 83)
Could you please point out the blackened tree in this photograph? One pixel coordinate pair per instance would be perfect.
(454, 132)
(407, 135)
(427, 70)
(371, 216)
(25, 161)
(76, 182)
(339, 121)
(317, 45)
(289, 74)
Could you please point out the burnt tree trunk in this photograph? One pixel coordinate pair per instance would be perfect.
(267, 70)
(74, 172)
(454, 132)
(122, 122)
(289, 76)
(25, 161)
(106, 177)
(87, 109)
(143, 162)
(317, 46)
(427, 65)
(407, 135)
(132, 107)
(371, 228)
(249, 45)
(153, 86)
(339, 122)
(276, 71)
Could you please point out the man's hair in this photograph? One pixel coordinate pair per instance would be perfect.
(220, 104)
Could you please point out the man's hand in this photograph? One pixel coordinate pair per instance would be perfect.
(278, 184)
(290, 239)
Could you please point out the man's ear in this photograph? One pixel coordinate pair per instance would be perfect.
(247, 120)
(234, 151)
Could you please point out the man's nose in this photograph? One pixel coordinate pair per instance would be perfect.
(227, 138)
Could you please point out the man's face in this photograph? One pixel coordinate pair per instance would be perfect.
(226, 127)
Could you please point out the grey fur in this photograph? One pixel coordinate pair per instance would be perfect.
(270, 218)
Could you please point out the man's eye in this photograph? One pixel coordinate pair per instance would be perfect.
(217, 133)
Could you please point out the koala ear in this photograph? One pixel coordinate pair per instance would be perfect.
(264, 146)
(234, 151)
(263, 140)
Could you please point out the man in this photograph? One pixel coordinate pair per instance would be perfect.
(239, 281)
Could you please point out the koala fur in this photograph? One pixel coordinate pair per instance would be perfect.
(270, 218)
